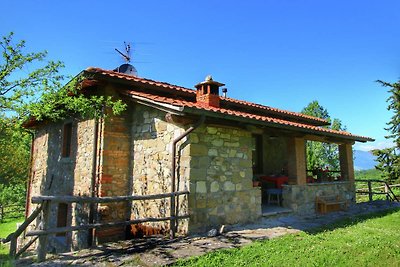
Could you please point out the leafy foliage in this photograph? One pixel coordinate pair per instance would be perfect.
(12, 194)
(70, 101)
(389, 158)
(367, 174)
(320, 155)
(37, 94)
(14, 153)
(18, 85)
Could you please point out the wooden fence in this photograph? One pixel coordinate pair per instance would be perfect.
(11, 211)
(385, 189)
(44, 204)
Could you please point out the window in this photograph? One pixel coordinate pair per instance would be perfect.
(62, 213)
(67, 139)
(257, 154)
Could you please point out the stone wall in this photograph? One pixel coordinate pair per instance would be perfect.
(152, 138)
(221, 190)
(53, 174)
(301, 198)
(114, 176)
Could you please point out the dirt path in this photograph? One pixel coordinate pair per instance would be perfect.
(154, 252)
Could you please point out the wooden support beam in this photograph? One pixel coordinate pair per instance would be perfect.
(296, 160)
(346, 162)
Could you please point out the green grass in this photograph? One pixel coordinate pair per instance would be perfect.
(7, 227)
(367, 241)
(368, 174)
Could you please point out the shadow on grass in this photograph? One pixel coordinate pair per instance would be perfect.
(350, 221)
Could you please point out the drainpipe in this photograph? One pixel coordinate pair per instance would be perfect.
(28, 188)
(93, 182)
(172, 224)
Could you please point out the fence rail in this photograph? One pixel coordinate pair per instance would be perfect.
(387, 189)
(44, 209)
(11, 211)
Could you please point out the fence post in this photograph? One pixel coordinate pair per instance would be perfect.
(13, 246)
(369, 191)
(42, 248)
(172, 221)
(1, 213)
(387, 192)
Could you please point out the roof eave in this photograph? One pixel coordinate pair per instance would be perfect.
(344, 138)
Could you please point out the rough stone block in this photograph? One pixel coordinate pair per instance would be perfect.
(229, 186)
(198, 150)
(217, 142)
(212, 130)
(214, 187)
(212, 152)
(201, 187)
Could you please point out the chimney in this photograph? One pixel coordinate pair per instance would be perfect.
(207, 94)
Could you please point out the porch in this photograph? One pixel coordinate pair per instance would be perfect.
(280, 170)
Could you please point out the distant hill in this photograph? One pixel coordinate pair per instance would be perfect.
(364, 160)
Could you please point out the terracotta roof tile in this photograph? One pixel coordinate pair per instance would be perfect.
(228, 100)
(184, 103)
(127, 77)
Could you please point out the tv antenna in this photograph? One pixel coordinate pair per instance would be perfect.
(126, 68)
(127, 55)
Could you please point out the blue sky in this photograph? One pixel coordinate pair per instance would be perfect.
(278, 53)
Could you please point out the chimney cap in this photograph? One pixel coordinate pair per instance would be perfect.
(209, 80)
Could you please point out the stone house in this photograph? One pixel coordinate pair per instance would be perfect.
(207, 143)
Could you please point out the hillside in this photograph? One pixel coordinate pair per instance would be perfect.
(364, 160)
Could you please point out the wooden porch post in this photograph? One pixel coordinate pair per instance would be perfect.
(296, 160)
(346, 162)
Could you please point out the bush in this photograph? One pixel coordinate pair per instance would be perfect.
(12, 194)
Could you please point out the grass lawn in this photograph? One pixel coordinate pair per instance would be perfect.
(372, 240)
(6, 227)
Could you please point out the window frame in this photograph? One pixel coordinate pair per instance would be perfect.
(67, 140)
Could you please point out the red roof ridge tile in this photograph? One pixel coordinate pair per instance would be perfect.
(138, 79)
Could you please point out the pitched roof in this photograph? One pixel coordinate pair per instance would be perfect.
(170, 88)
(184, 98)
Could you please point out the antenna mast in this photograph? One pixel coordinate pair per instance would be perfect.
(127, 55)
(126, 68)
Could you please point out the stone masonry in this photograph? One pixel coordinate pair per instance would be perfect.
(301, 198)
(53, 174)
(221, 178)
(152, 141)
(114, 177)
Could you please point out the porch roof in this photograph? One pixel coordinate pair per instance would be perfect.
(184, 106)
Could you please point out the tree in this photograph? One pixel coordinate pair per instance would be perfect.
(320, 155)
(36, 94)
(14, 153)
(18, 85)
(389, 158)
(18, 88)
